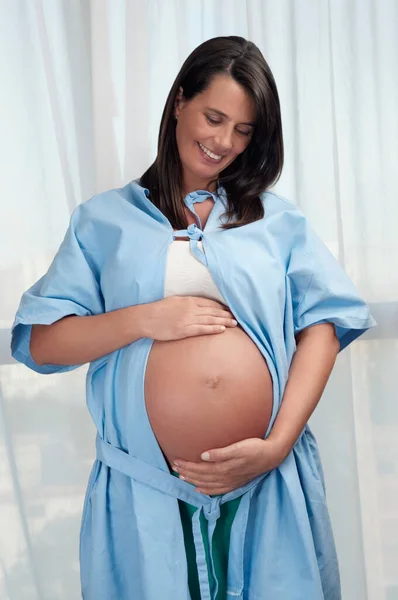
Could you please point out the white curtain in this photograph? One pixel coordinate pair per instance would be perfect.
(82, 89)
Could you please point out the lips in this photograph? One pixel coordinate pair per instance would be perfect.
(206, 152)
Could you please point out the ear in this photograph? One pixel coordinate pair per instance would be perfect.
(179, 103)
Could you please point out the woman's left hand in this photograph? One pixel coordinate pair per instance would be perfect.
(225, 469)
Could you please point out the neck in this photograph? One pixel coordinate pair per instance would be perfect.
(191, 184)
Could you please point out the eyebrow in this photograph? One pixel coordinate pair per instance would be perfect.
(219, 112)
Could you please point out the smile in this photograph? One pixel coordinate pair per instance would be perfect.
(209, 153)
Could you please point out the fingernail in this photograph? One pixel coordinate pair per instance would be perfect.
(234, 322)
(181, 477)
(176, 464)
(205, 456)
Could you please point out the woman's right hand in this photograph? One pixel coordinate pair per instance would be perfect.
(179, 317)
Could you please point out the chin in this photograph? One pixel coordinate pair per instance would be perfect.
(205, 173)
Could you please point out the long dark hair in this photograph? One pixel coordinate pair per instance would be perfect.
(253, 171)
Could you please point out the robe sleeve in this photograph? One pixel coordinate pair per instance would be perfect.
(69, 287)
(321, 290)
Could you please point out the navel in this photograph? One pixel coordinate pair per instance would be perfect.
(213, 382)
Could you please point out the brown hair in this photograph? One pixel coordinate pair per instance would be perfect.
(253, 171)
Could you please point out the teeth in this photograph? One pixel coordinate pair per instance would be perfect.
(209, 153)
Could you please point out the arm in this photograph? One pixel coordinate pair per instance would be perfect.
(328, 314)
(62, 321)
(75, 340)
(225, 469)
(310, 369)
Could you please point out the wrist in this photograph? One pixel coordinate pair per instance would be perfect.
(279, 447)
(137, 321)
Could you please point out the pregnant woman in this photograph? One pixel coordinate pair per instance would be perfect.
(211, 315)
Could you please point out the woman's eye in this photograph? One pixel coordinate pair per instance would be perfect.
(246, 133)
(212, 121)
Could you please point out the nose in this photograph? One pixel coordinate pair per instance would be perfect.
(223, 139)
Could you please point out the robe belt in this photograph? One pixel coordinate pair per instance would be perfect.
(166, 483)
(195, 234)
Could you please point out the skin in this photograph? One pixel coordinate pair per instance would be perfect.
(77, 340)
(222, 119)
(223, 469)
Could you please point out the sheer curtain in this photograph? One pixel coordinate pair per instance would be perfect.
(82, 90)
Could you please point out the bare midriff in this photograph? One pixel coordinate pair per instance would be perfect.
(207, 392)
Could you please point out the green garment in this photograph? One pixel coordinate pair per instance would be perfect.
(220, 545)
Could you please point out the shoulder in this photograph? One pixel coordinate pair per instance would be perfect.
(294, 232)
(105, 203)
(112, 207)
(282, 213)
(275, 203)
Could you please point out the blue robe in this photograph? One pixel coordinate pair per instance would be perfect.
(278, 278)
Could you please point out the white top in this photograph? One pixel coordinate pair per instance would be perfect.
(187, 276)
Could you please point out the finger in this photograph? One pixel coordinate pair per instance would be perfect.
(205, 467)
(211, 486)
(200, 478)
(211, 320)
(222, 454)
(212, 303)
(185, 467)
(215, 312)
(210, 471)
(194, 330)
(221, 487)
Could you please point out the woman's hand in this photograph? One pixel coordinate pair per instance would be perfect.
(226, 469)
(179, 317)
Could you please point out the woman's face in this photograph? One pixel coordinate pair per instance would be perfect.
(212, 130)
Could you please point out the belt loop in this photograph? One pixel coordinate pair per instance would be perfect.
(204, 585)
(211, 527)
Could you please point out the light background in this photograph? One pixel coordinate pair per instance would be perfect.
(82, 88)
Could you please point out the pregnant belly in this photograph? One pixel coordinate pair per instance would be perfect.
(207, 392)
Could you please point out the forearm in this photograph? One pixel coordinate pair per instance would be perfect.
(78, 340)
(311, 367)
